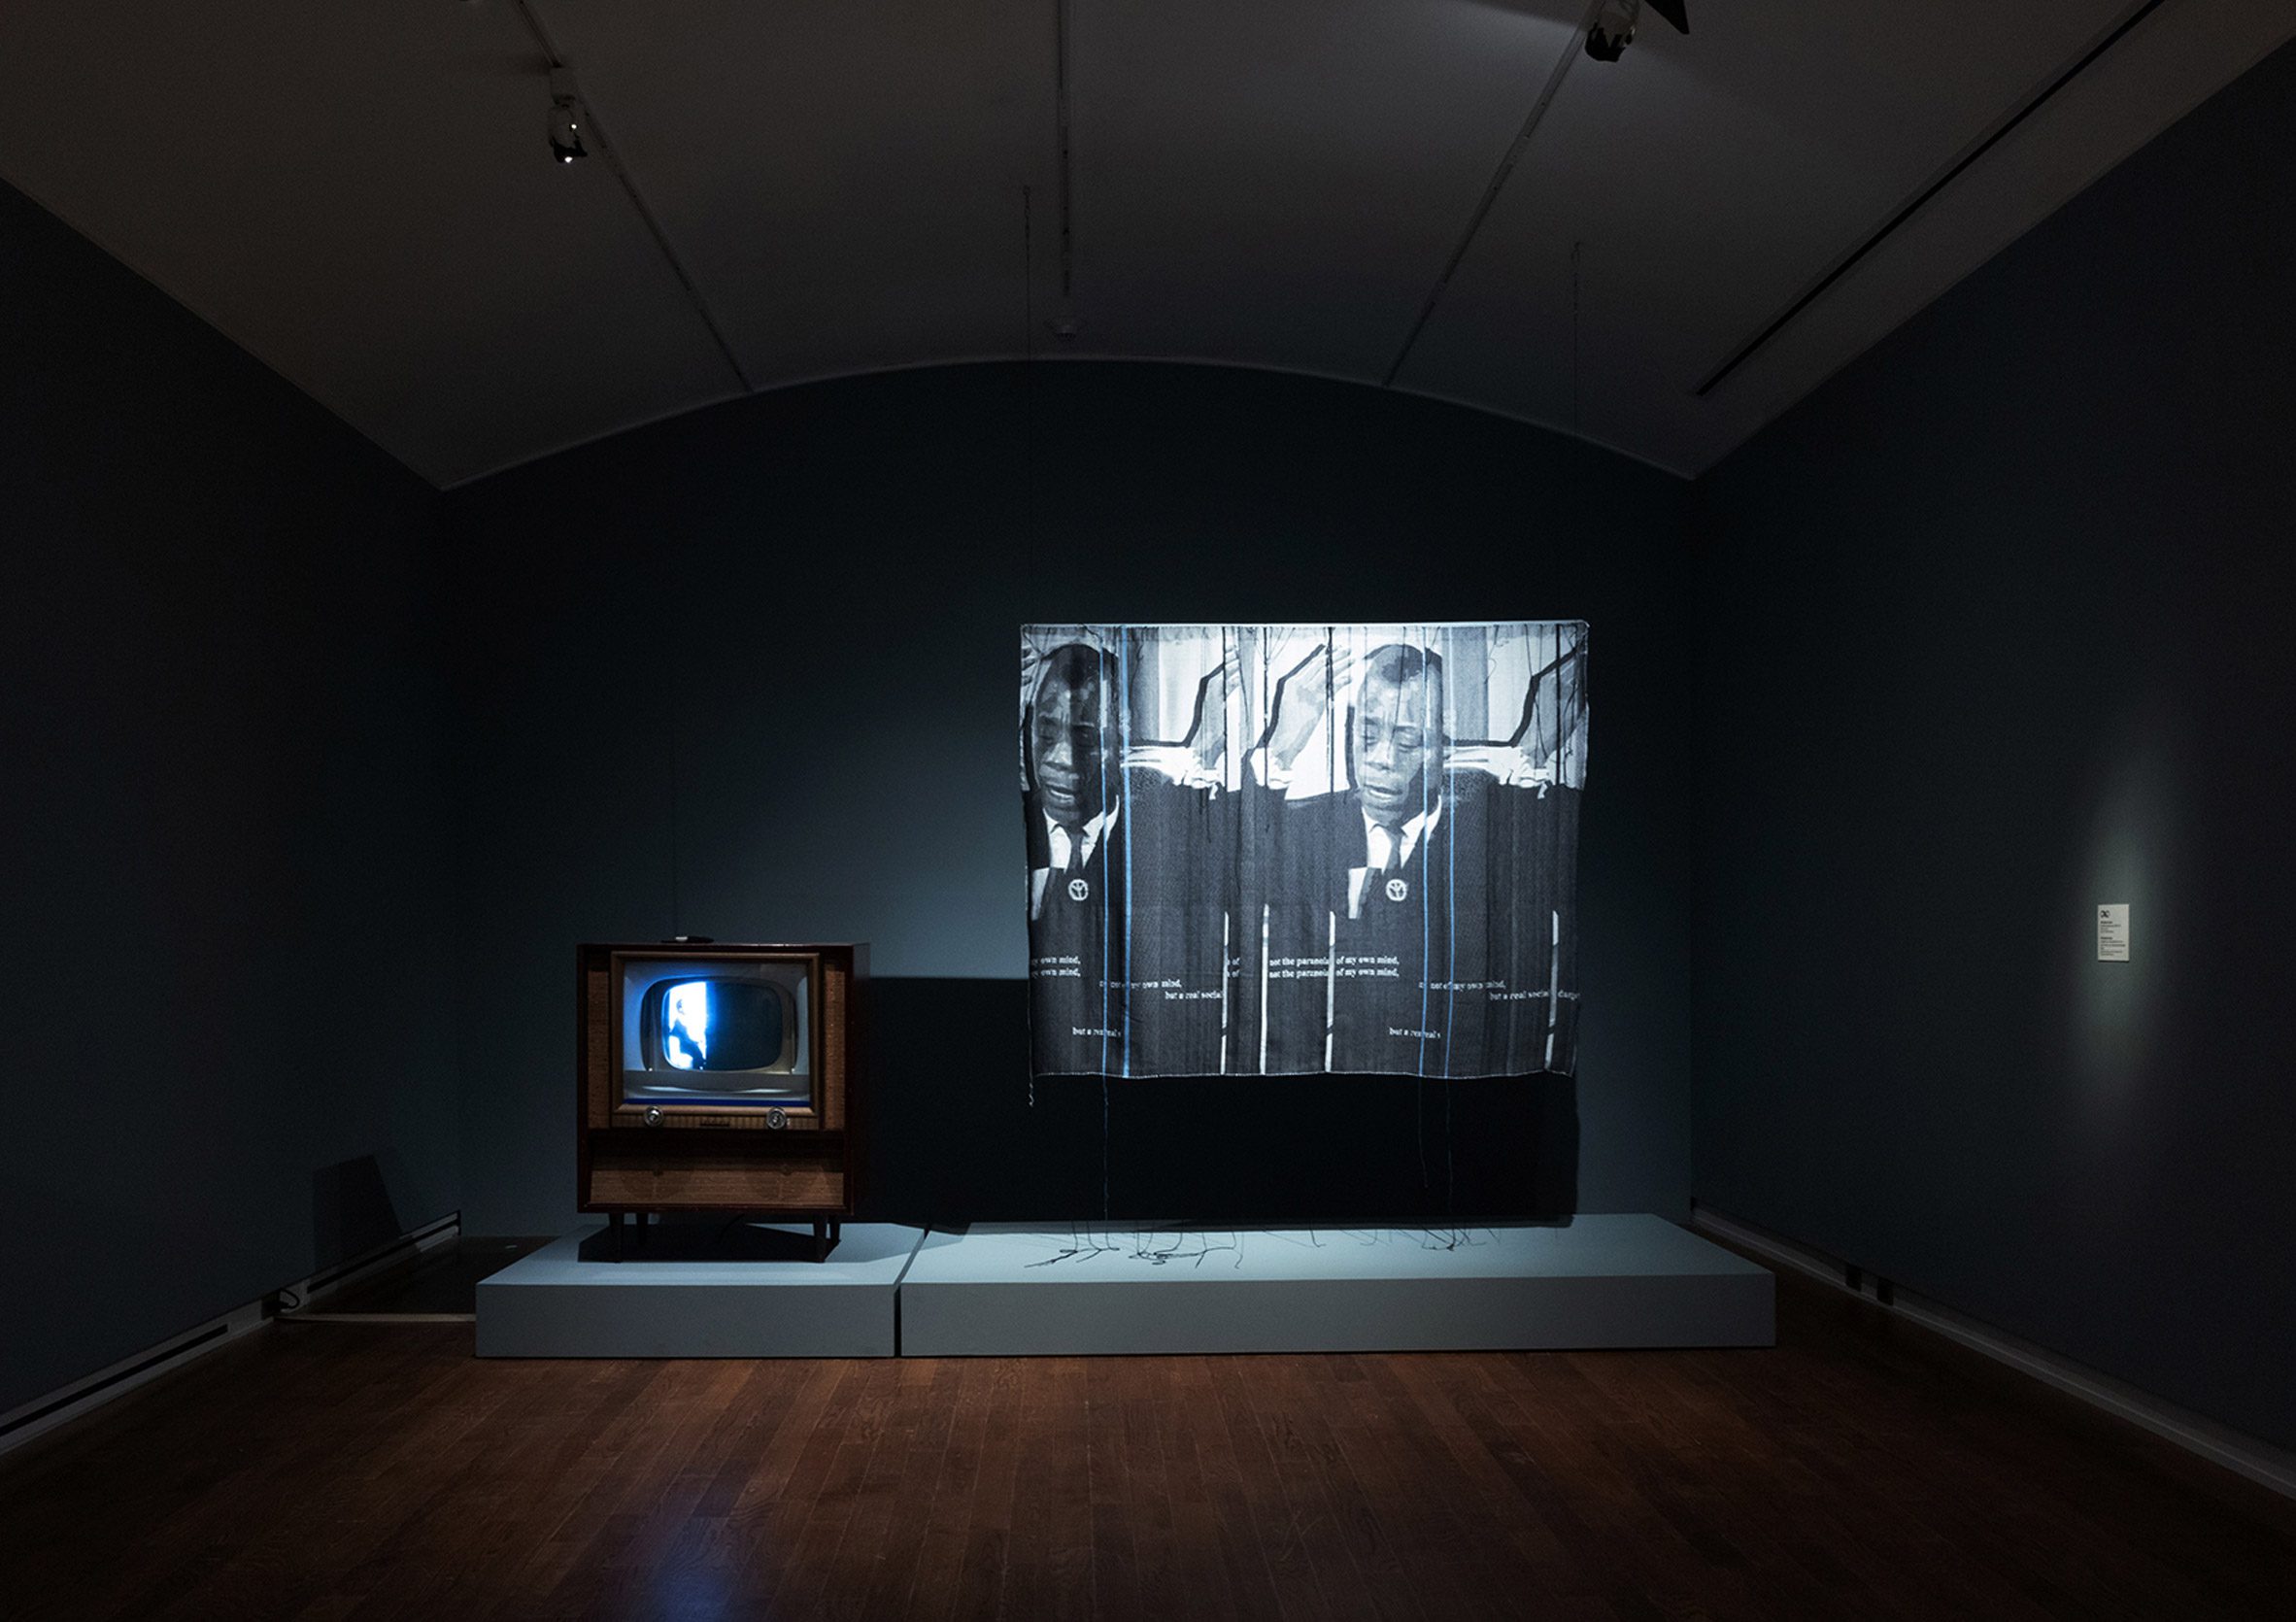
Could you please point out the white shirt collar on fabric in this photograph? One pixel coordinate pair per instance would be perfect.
(1056, 836)
(1375, 836)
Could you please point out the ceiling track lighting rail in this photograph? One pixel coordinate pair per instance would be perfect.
(1482, 210)
(571, 120)
(1921, 199)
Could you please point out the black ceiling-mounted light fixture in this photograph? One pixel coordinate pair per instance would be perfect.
(1613, 27)
(567, 117)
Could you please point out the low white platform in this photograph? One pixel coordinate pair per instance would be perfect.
(555, 1303)
(1633, 1280)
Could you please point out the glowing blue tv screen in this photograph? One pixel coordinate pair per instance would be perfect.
(715, 1033)
(714, 1024)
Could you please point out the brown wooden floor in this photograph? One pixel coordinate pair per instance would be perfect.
(1864, 1469)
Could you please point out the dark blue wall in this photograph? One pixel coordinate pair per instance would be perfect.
(1995, 629)
(779, 639)
(221, 816)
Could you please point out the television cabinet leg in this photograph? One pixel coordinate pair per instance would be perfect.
(821, 1241)
(644, 1222)
(613, 1227)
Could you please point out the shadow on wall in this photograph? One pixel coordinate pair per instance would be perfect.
(956, 1137)
(350, 1211)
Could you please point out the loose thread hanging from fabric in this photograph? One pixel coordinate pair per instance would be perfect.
(1029, 425)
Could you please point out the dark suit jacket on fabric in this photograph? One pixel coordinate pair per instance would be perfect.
(1454, 977)
(1129, 977)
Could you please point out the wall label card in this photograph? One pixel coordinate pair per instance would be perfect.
(1293, 850)
(2113, 932)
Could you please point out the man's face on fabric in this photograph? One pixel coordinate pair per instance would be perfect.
(1066, 742)
(1398, 740)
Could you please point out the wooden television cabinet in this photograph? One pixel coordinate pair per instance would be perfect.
(659, 1130)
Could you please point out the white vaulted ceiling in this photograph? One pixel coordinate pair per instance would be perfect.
(360, 194)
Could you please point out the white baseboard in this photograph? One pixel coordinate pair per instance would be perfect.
(2242, 1454)
(43, 1415)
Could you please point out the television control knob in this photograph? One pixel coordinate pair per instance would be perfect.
(775, 1120)
(654, 1115)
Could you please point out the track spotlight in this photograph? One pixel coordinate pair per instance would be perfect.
(1613, 27)
(567, 117)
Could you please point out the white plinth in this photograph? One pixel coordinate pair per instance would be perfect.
(1633, 1280)
(555, 1303)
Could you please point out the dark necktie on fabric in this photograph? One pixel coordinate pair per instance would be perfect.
(1074, 835)
(1384, 849)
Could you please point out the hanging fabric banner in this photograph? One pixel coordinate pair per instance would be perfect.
(1279, 850)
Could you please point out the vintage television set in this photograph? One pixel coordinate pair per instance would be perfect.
(722, 1077)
